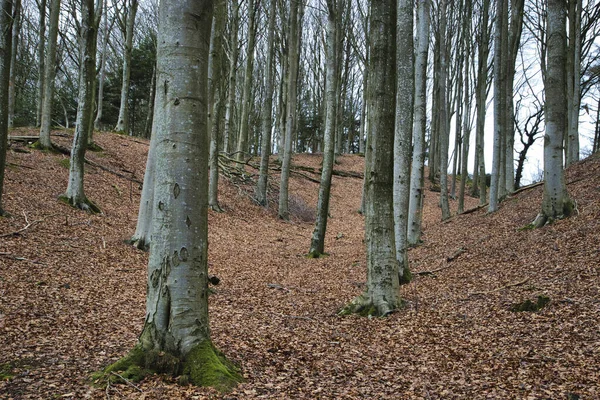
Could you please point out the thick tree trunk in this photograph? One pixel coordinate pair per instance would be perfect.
(41, 62)
(556, 203)
(175, 338)
(90, 20)
(6, 8)
(415, 205)
(382, 293)
(49, 75)
(267, 111)
(242, 142)
(293, 57)
(123, 120)
(317, 244)
(16, 32)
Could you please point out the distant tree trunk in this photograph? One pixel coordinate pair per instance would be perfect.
(215, 99)
(499, 105)
(267, 111)
(573, 81)
(143, 230)
(483, 47)
(102, 74)
(16, 32)
(317, 244)
(123, 120)
(175, 338)
(41, 70)
(90, 20)
(242, 143)
(6, 12)
(415, 206)
(363, 114)
(464, 173)
(49, 75)
(291, 115)
(381, 296)
(556, 203)
(443, 117)
(150, 113)
(233, 59)
(405, 90)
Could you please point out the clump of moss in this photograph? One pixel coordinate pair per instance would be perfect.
(86, 205)
(530, 306)
(206, 366)
(6, 373)
(94, 147)
(65, 163)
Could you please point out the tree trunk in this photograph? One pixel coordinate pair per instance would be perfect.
(143, 230)
(443, 118)
(267, 111)
(6, 12)
(233, 59)
(41, 70)
(556, 203)
(49, 75)
(381, 296)
(415, 205)
(123, 120)
(16, 32)
(317, 244)
(573, 81)
(242, 142)
(464, 173)
(102, 74)
(90, 20)
(291, 115)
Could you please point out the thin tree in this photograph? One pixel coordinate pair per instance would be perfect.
(267, 111)
(41, 46)
(49, 76)
(6, 9)
(556, 203)
(175, 338)
(16, 32)
(317, 244)
(444, 131)
(415, 207)
(90, 20)
(130, 13)
(381, 296)
(233, 60)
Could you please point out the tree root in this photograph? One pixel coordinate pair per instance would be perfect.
(85, 204)
(364, 306)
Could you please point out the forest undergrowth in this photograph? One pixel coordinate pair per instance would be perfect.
(72, 292)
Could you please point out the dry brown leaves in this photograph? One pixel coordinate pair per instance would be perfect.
(72, 293)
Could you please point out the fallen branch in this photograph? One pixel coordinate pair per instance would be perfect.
(472, 210)
(23, 138)
(27, 226)
(524, 188)
(500, 288)
(456, 254)
(127, 381)
(433, 271)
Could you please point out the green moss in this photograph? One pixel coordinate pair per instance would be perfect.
(206, 366)
(65, 162)
(406, 276)
(528, 227)
(6, 372)
(530, 306)
(94, 147)
(86, 205)
(316, 254)
(130, 367)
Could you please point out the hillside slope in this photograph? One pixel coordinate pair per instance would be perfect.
(72, 292)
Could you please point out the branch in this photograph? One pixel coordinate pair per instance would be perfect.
(499, 289)
(29, 224)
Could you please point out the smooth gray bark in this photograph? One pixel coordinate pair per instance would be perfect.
(6, 8)
(466, 128)
(49, 75)
(317, 244)
(102, 73)
(573, 81)
(16, 32)
(417, 177)
(41, 46)
(233, 59)
(443, 127)
(267, 111)
(556, 203)
(90, 20)
(123, 120)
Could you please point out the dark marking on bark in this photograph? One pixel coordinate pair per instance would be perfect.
(161, 206)
(177, 101)
(175, 259)
(154, 278)
(188, 221)
(176, 190)
(184, 254)
(166, 85)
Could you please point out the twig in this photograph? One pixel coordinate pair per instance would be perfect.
(29, 224)
(500, 288)
(472, 210)
(433, 271)
(127, 381)
(456, 254)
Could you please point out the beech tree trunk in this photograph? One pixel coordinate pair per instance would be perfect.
(6, 9)
(417, 177)
(317, 244)
(233, 59)
(466, 128)
(443, 117)
(90, 20)
(267, 111)
(123, 120)
(175, 338)
(41, 62)
(556, 203)
(102, 74)
(16, 32)
(49, 75)
(381, 296)
(573, 81)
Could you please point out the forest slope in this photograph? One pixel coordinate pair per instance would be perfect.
(72, 292)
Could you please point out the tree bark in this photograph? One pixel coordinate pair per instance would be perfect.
(16, 32)
(443, 118)
(233, 59)
(90, 20)
(49, 75)
(556, 203)
(123, 120)
(41, 70)
(102, 74)
(6, 12)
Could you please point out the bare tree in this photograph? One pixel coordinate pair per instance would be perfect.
(6, 10)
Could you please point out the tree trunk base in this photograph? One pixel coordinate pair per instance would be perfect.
(85, 204)
(203, 366)
(569, 208)
(139, 243)
(364, 306)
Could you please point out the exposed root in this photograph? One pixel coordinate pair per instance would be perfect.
(364, 306)
(85, 204)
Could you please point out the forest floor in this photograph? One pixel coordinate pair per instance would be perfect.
(72, 293)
